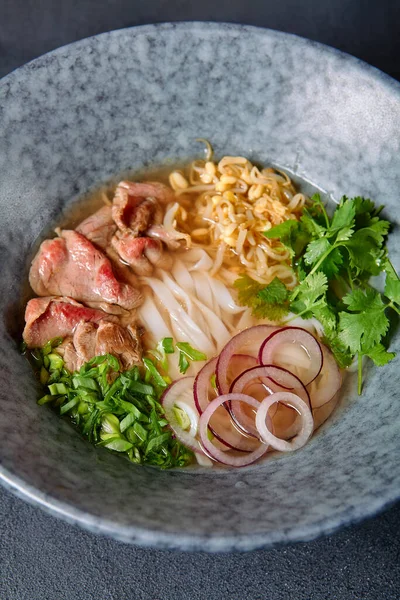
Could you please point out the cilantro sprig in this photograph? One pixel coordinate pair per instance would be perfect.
(334, 259)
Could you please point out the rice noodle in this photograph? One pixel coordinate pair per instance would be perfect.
(190, 304)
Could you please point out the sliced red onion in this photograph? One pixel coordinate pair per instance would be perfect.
(321, 414)
(328, 382)
(240, 363)
(202, 385)
(270, 379)
(295, 402)
(274, 378)
(286, 421)
(181, 392)
(302, 339)
(211, 449)
(247, 342)
(221, 427)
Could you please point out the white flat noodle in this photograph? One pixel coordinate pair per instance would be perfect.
(187, 300)
(182, 276)
(246, 320)
(180, 320)
(229, 321)
(152, 319)
(179, 293)
(219, 331)
(198, 260)
(224, 297)
(228, 277)
(203, 290)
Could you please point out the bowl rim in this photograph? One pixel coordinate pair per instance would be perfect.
(221, 543)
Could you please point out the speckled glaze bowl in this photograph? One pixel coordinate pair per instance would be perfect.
(123, 100)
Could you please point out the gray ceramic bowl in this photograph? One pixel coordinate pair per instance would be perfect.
(131, 98)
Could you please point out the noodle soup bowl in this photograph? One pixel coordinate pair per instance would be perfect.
(126, 100)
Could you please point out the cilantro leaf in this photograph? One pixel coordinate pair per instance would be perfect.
(274, 301)
(310, 294)
(366, 249)
(313, 227)
(366, 324)
(332, 264)
(266, 302)
(344, 234)
(274, 293)
(392, 283)
(342, 355)
(282, 230)
(316, 249)
(291, 234)
(363, 205)
(343, 217)
(380, 355)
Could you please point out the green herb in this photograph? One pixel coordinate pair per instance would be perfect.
(164, 347)
(183, 363)
(333, 259)
(119, 411)
(186, 354)
(267, 302)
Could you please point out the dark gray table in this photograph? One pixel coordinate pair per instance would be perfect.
(42, 558)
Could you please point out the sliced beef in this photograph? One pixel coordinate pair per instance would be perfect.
(141, 253)
(47, 318)
(99, 228)
(136, 206)
(92, 339)
(69, 355)
(84, 341)
(70, 265)
(122, 342)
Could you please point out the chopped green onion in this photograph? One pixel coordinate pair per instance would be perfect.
(153, 373)
(190, 352)
(182, 418)
(46, 399)
(127, 422)
(115, 442)
(167, 344)
(44, 376)
(85, 382)
(140, 431)
(57, 389)
(66, 407)
(183, 363)
(156, 442)
(110, 423)
(56, 362)
(120, 411)
(137, 386)
(46, 349)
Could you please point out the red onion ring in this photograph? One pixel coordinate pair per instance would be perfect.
(274, 379)
(307, 422)
(224, 430)
(181, 389)
(298, 336)
(328, 382)
(224, 457)
(247, 341)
